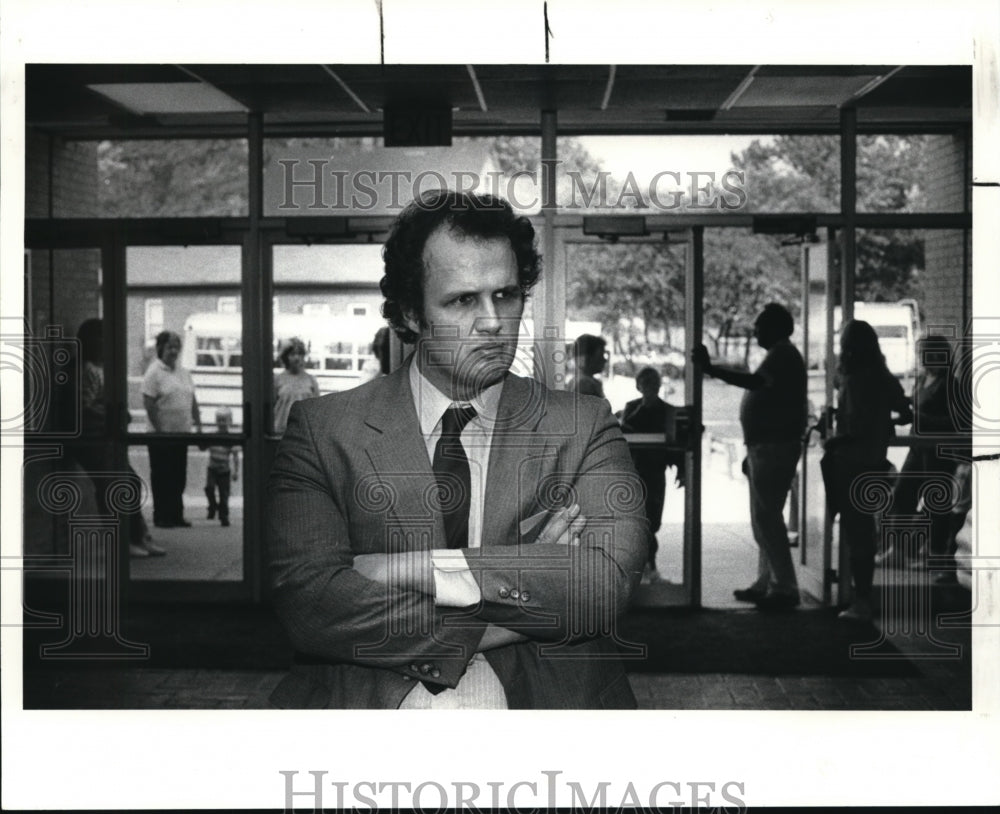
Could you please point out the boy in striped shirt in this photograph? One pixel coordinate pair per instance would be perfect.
(220, 473)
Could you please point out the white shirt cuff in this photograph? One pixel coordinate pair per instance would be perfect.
(454, 584)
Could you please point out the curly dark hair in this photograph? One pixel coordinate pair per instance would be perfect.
(477, 216)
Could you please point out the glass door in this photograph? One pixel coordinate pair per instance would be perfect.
(187, 418)
(637, 294)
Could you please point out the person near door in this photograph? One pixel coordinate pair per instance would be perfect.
(936, 412)
(169, 398)
(773, 415)
(591, 358)
(91, 452)
(867, 397)
(452, 535)
(294, 383)
(651, 414)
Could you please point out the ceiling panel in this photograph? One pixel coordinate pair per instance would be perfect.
(672, 98)
(802, 91)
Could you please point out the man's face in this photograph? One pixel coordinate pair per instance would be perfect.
(472, 312)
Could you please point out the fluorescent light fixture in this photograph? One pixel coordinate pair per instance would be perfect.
(169, 97)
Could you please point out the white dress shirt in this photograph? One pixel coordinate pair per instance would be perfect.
(454, 584)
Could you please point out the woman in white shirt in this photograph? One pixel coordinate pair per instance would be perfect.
(293, 383)
(168, 396)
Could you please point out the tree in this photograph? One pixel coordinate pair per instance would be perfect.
(802, 173)
(173, 178)
(743, 272)
(636, 292)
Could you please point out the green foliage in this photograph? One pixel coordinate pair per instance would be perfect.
(802, 173)
(173, 178)
(645, 281)
(792, 174)
(744, 272)
(636, 292)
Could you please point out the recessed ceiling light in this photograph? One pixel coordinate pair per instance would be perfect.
(169, 97)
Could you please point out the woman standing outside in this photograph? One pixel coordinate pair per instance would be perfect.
(293, 383)
(868, 395)
(168, 396)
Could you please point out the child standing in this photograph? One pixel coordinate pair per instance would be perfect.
(651, 414)
(219, 471)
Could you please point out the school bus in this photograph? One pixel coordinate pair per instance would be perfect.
(338, 355)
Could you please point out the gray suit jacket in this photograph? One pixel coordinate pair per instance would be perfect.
(352, 476)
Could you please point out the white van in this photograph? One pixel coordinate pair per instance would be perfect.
(898, 327)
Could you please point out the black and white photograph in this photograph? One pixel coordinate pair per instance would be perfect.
(621, 380)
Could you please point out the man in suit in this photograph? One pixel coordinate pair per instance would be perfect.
(453, 535)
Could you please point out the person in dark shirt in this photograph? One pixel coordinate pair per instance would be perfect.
(591, 359)
(935, 413)
(773, 415)
(651, 414)
(867, 397)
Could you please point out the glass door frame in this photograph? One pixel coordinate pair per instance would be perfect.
(822, 578)
(113, 238)
(202, 232)
(551, 307)
(45, 235)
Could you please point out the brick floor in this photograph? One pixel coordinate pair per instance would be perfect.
(939, 684)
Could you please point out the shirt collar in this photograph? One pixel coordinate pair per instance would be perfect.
(431, 403)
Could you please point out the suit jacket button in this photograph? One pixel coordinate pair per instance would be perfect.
(426, 669)
(525, 596)
(435, 673)
(504, 593)
(515, 594)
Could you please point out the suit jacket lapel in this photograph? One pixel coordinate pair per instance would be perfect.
(398, 455)
(517, 456)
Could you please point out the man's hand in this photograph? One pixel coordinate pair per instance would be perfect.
(564, 527)
(699, 355)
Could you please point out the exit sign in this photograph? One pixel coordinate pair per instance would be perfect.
(417, 127)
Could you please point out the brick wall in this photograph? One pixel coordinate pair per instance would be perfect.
(61, 181)
(60, 177)
(64, 289)
(36, 175)
(945, 299)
